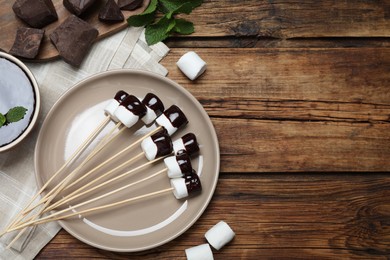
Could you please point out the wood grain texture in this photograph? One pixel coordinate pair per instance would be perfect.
(9, 23)
(327, 221)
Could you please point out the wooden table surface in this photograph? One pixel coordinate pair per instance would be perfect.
(299, 94)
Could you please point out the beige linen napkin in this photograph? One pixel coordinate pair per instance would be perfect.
(126, 49)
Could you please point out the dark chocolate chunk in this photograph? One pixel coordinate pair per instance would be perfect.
(129, 5)
(190, 143)
(154, 103)
(184, 162)
(135, 106)
(73, 38)
(176, 116)
(36, 13)
(77, 7)
(27, 42)
(163, 142)
(111, 12)
(120, 96)
(192, 182)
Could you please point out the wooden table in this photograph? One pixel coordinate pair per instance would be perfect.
(299, 94)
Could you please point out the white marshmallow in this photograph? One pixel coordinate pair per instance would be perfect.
(113, 104)
(149, 116)
(178, 145)
(125, 116)
(149, 148)
(164, 121)
(191, 65)
(173, 167)
(201, 252)
(219, 235)
(180, 188)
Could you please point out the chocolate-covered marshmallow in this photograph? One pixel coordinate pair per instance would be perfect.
(114, 103)
(184, 186)
(154, 108)
(157, 145)
(178, 165)
(172, 119)
(130, 111)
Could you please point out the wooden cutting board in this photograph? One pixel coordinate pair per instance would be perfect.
(9, 23)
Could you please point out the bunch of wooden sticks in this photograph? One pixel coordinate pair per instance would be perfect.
(125, 110)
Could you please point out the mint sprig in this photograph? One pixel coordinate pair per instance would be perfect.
(13, 115)
(158, 29)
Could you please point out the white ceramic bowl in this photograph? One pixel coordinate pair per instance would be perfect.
(18, 87)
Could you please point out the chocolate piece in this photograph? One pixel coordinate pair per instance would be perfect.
(73, 38)
(153, 102)
(36, 13)
(190, 143)
(135, 106)
(176, 116)
(77, 7)
(27, 42)
(193, 183)
(129, 5)
(184, 162)
(120, 96)
(111, 12)
(163, 142)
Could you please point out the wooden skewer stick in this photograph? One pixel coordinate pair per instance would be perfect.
(57, 189)
(81, 148)
(55, 216)
(77, 193)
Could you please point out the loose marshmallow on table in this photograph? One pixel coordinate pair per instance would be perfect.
(159, 144)
(172, 119)
(114, 104)
(130, 111)
(191, 65)
(201, 252)
(154, 108)
(219, 235)
(186, 185)
(178, 165)
(188, 143)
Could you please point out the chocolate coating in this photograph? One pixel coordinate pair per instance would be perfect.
(193, 183)
(163, 142)
(190, 143)
(135, 106)
(176, 116)
(111, 12)
(120, 96)
(27, 42)
(154, 103)
(184, 162)
(36, 13)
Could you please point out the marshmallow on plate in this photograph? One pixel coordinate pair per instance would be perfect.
(191, 65)
(219, 235)
(178, 165)
(201, 252)
(188, 143)
(130, 111)
(154, 108)
(172, 119)
(114, 103)
(186, 185)
(159, 144)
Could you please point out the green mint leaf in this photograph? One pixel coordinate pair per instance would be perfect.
(146, 17)
(2, 119)
(179, 6)
(15, 114)
(183, 26)
(159, 31)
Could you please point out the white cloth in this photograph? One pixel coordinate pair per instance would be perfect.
(126, 49)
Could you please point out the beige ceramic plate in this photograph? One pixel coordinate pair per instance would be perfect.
(143, 224)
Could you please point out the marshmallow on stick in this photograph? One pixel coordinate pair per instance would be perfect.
(172, 119)
(186, 185)
(157, 145)
(130, 111)
(178, 165)
(114, 104)
(187, 142)
(154, 108)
